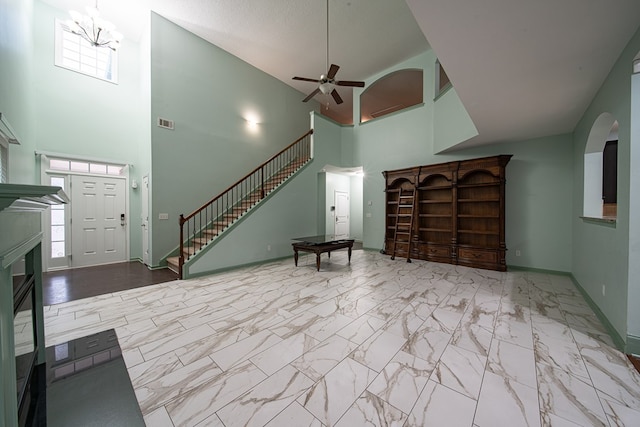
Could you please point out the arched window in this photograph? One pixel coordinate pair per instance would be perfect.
(601, 169)
(393, 92)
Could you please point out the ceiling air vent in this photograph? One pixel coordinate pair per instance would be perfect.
(164, 123)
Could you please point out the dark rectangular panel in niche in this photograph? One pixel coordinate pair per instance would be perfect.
(610, 172)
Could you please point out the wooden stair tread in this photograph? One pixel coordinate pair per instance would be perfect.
(173, 263)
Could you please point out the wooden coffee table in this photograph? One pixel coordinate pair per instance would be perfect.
(320, 244)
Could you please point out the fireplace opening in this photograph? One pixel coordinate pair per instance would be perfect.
(26, 347)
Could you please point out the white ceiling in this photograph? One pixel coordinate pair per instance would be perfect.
(522, 68)
(527, 68)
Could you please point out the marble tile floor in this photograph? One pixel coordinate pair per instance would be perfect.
(373, 343)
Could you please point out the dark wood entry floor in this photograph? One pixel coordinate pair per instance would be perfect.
(77, 283)
(635, 360)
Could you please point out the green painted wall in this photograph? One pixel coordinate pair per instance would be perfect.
(356, 208)
(98, 118)
(451, 122)
(143, 168)
(209, 93)
(600, 252)
(322, 212)
(16, 75)
(538, 196)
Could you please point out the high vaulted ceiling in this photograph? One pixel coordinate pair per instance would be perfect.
(522, 68)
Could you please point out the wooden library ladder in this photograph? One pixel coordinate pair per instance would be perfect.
(403, 229)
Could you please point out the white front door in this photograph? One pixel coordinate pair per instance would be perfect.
(342, 215)
(98, 220)
(145, 219)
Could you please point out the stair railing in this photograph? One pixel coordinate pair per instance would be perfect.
(207, 222)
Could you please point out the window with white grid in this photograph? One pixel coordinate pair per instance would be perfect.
(75, 53)
(81, 166)
(58, 222)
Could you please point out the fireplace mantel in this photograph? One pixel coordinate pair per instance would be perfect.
(23, 198)
(21, 209)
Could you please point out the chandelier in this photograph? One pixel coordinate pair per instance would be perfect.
(95, 30)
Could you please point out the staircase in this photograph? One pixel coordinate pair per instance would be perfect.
(203, 226)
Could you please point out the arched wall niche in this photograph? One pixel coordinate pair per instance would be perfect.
(604, 129)
(393, 92)
(600, 131)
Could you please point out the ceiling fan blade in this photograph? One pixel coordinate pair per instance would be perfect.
(349, 83)
(311, 95)
(336, 96)
(305, 79)
(332, 71)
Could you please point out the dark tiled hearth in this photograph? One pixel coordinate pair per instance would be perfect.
(87, 384)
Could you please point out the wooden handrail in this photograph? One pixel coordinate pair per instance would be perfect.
(221, 210)
(182, 220)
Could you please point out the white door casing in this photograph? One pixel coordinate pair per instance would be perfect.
(145, 220)
(342, 209)
(98, 222)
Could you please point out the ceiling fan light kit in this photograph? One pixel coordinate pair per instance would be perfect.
(325, 87)
(327, 83)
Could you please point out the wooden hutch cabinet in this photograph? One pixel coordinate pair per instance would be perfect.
(449, 212)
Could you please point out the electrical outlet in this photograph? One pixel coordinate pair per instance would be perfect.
(517, 252)
(268, 247)
(604, 289)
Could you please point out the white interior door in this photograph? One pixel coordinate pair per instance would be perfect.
(98, 225)
(341, 215)
(145, 220)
